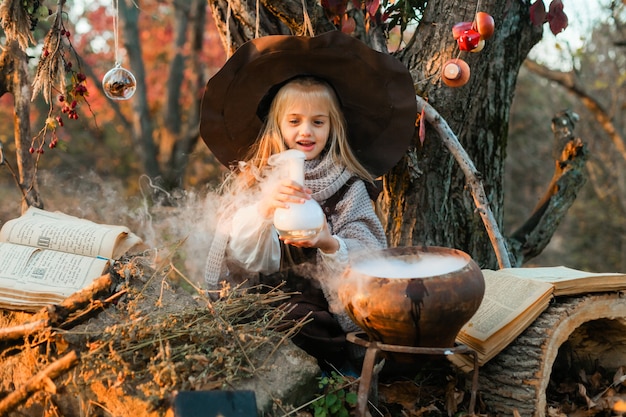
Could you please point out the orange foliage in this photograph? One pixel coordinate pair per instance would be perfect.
(98, 122)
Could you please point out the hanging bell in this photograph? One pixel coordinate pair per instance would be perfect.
(119, 84)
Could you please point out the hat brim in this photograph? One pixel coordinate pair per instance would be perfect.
(375, 89)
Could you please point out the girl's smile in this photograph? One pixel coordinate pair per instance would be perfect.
(306, 126)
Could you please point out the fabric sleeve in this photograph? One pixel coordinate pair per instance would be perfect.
(253, 242)
(339, 257)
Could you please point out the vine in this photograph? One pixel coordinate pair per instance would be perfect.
(337, 400)
(58, 80)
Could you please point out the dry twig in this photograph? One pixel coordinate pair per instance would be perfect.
(54, 315)
(41, 380)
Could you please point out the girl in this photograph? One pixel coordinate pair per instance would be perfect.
(303, 113)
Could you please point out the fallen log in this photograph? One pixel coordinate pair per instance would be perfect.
(516, 380)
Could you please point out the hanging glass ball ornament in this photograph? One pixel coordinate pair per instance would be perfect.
(119, 84)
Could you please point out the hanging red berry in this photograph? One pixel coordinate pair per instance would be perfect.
(468, 40)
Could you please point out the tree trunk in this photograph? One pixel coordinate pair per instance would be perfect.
(164, 151)
(435, 208)
(186, 128)
(143, 128)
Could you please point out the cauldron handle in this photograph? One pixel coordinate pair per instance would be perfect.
(367, 372)
(374, 348)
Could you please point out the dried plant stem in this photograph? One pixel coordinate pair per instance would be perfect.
(292, 331)
(16, 23)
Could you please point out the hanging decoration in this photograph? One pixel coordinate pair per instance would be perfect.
(470, 37)
(455, 73)
(118, 83)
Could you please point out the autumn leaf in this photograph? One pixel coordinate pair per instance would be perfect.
(372, 7)
(557, 19)
(422, 128)
(538, 13)
(335, 7)
(348, 24)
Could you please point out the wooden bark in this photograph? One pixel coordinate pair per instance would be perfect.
(471, 175)
(429, 202)
(518, 377)
(16, 80)
(274, 17)
(569, 177)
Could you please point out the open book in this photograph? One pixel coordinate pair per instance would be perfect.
(515, 297)
(47, 256)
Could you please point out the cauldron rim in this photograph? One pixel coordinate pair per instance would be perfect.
(402, 251)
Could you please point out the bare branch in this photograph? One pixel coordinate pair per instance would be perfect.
(569, 177)
(19, 331)
(56, 315)
(467, 166)
(570, 81)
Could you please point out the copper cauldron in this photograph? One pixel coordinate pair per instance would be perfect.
(412, 296)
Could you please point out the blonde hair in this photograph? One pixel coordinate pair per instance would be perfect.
(270, 140)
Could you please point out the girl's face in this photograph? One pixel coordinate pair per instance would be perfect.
(305, 126)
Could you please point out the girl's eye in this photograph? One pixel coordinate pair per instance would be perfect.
(319, 123)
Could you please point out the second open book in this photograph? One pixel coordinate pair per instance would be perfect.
(515, 297)
(47, 256)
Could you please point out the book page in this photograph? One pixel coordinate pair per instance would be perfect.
(506, 297)
(61, 232)
(27, 271)
(555, 273)
(568, 281)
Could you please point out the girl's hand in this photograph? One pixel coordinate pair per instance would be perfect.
(286, 191)
(324, 241)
